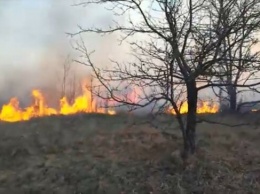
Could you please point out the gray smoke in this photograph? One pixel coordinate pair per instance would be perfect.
(34, 44)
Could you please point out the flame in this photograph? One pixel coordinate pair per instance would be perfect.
(85, 103)
(12, 112)
(111, 112)
(203, 107)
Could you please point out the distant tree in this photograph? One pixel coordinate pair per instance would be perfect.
(175, 45)
(241, 63)
(67, 80)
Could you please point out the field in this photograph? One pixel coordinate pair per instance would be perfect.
(101, 154)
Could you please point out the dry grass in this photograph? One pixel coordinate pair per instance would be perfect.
(119, 154)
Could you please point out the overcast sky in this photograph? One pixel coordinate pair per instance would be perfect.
(33, 35)
(30, 27)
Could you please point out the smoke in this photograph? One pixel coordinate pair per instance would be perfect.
(34, 44)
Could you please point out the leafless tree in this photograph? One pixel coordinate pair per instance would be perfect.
(175, 45)
(66, 66)
(68, 83)
(241, 63)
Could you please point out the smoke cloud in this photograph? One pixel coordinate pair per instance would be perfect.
(34, 44)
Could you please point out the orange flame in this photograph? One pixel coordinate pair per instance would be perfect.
(203, 107)
(12, 112)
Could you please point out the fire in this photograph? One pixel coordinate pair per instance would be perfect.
(203, 107)
(111, 112)
(12, 112)
(85, 103)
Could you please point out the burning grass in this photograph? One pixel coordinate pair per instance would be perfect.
(12, 112)
(84, 103)
(119, 154)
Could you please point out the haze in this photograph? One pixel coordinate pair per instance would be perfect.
(34, 42)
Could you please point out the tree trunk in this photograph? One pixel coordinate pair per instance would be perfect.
(232, 93)
(190, 128)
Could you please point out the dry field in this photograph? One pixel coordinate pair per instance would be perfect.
(101, 154)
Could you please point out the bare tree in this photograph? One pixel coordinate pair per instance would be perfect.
(240, 64)
(66, 67)
(175, 45)
(72, 88)
(68, 83)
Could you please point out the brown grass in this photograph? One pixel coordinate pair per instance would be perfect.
(117, 154)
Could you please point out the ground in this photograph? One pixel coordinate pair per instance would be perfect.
(102, 154)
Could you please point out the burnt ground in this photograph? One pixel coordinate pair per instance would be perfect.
(101, 154)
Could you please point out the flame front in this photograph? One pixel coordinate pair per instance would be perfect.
(203, 107)
(12, 112)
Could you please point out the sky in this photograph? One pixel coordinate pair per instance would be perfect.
(29, 27)
(34, 40)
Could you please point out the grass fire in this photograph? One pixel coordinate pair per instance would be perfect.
(130, 97)
(12, 112)
(85, 103)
